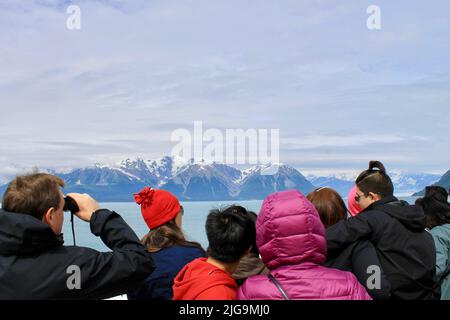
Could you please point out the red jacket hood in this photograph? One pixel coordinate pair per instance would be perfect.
(200, 280)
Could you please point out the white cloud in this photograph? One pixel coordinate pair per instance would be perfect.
(138, 70)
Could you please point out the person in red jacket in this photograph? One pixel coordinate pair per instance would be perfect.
(230, 237)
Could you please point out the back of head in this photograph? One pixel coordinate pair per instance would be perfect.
(230, 234)
(289, 231)
(329, 204)
(436, 192)
(165, 236)
(435, 206)
(33, 194)
(376, 180)
(157, 206)
(236, 209)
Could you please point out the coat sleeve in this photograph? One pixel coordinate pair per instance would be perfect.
(364, 255)
(346, 232)
(107, 274)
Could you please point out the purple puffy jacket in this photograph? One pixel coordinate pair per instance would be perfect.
(291, 241)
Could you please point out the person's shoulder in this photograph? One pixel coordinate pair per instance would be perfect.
(76, 253)
(181, 250)
(442, 231)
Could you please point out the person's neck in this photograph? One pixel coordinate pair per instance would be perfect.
(227, 267)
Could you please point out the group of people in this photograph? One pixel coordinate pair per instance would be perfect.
(297, 247)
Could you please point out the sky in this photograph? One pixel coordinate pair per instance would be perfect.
(135, 71)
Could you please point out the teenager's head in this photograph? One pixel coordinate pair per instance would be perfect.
(248, 214)
(329, 204)
(230, 235)
(436, 192)
(436, 212)
(163, 214)
(373, 184)
(159, 207)
(38, 195)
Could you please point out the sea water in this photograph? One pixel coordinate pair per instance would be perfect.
(193, 224)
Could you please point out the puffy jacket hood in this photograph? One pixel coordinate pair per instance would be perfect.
(411, 216)
(289, 231)
(197, 277)
(24, 234)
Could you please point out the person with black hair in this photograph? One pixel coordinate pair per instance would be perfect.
(230, 237)
(406, 251)
(437, 220)
(250, 264)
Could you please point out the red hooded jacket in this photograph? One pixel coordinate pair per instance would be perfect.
(200, 280)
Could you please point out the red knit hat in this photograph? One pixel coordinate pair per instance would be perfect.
(157, 206)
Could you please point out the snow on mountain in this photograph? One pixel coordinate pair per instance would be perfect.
(405, 183)
(444, 182)
(206, 180)
(342, 186)
(262, 180)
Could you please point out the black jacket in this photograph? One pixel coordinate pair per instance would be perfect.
(406, 251)
(34, 264)
(357, 258)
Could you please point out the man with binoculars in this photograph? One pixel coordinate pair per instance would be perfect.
(34, 264)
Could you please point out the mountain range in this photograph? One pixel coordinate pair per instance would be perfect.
(193, 180)
(443, 182)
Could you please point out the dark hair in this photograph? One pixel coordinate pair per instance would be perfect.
(166, 236)
(435, 206)
(230, 234)
(375, 180)
(329, 204)
(436, 192)
(236, 209)
(436, 212)
(33, 194)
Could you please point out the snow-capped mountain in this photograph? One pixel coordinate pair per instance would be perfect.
(262, 180)
(408, 183)
(202, 180)
(187, 179)
(104, 183)
(341, 185)
(405, 183)
(443, 182)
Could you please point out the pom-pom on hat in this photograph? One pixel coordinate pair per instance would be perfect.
(157, 206)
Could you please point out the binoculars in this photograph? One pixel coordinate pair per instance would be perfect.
(70, 205)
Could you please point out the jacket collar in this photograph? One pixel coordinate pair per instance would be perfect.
(381, 202)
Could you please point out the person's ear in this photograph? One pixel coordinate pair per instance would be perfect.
(48, 216)
(374, 196)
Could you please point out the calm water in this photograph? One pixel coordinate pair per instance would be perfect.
(193, 221)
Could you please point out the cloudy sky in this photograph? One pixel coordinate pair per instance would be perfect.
(340, 94)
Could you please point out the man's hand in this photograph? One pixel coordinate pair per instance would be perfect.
(86, 204)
